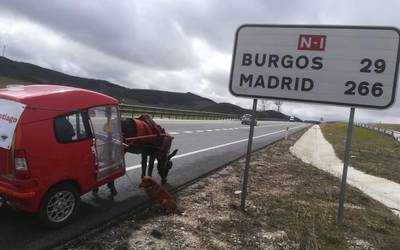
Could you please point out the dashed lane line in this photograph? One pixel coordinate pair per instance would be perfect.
(220, 146)
(218, 129)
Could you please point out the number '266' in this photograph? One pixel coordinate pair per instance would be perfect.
(364, 88)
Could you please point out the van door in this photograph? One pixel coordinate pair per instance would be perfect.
(106, 126)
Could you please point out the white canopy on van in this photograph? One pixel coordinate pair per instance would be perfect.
(10, 112)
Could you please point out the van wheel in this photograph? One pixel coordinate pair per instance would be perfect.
(59, 205)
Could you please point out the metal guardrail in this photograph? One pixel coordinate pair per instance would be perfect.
(156, 112)
(390, 132)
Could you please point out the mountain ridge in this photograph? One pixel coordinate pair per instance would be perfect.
(28, 73)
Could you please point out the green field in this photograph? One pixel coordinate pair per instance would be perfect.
(4, 81)
(372, 152)
(395, 127)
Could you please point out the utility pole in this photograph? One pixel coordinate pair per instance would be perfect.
(4, 50)
(263, 105)
(278, 104)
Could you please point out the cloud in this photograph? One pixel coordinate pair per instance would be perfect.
(127, 30)
(172, 45)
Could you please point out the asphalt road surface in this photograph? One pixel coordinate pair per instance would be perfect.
(203, 146)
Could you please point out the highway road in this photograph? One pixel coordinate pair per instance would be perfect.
(203, 146)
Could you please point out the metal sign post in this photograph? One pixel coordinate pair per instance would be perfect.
(345, 165)
(248, 155)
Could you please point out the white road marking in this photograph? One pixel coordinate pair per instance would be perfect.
(219, 146)
(223, 129)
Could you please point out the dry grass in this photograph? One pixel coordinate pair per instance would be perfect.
(291, 205)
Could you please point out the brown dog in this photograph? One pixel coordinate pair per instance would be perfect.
(158, 195)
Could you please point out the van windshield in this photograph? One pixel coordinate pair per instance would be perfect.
(9, 115)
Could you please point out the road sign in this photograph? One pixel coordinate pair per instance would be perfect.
(339, 65)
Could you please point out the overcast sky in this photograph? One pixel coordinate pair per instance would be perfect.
(173, 45)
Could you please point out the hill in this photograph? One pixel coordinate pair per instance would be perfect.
(12, 72)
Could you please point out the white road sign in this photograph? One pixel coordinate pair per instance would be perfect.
(340, 65)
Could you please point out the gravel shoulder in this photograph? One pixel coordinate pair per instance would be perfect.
(290, 205)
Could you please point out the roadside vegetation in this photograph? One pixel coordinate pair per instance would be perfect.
(290, 205)
(4, 81)
(372, 152)
(395, 127)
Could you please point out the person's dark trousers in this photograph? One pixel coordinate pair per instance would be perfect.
(110, 186)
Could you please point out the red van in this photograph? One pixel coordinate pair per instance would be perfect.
(56, 143)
